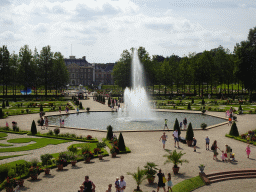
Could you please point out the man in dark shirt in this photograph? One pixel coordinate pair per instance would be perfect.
(88, 185)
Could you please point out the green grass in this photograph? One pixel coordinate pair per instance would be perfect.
(10, 156)
(188, 185)
(13, 164)
(3, 135)
(4, 145)
(40, 142)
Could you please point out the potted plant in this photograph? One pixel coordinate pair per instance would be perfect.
(86, 152)
(203, 126)
(46, 159)
(20, 169)
(73, 159)
(175, 158)
(189, 134)
(101, 145)
(150, 171)
(10, 181)
(62, 160)
(34, 172)
(138, 177)
(114, 151)
(201, 167)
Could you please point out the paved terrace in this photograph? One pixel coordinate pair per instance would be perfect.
(145, 147)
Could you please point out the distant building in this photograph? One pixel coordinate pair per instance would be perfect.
(85, 73)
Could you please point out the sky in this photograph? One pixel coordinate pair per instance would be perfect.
(102, 29)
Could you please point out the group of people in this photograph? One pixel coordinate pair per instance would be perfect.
(89, 186)
(184, 122)
(175, 136)
(225, 154)
(43, 122)
(162, 180)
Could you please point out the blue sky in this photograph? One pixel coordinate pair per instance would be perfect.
(102, 29)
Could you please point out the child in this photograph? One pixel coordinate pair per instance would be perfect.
(117, 184)
(223, 156)
(109, 188)
(207, 140)
(229, 121)
(165, 124)
(248, 151)
(169, 182)
(194, 143)
(46, 122)
(248, 138)
(81, 188)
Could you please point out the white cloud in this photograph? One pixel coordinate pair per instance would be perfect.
(9, 36)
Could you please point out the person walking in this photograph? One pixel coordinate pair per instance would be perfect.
(248, 151)
(180, 125)
(88, 185)
(46, 122)
(160, 180)
(117, 185)
(228, 151)
(42, 122)
(207, 140)
(165, 124)
(122, 184)
(185, 123)
(214, 148)
(194, 143)
(164, 139)
(176, 137)
(169, 182)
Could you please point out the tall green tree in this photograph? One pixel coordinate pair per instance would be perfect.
(14, 71)
(45, 66)
(4, 68)
(26, 69)
(245, 58)
(122, 70)
(59, 71)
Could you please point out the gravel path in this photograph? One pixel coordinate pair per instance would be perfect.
(145, 147)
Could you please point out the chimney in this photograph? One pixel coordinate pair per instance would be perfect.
(83, 57)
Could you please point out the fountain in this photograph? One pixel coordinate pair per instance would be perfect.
(136, 101)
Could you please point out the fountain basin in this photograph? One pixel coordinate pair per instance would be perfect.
(100, 120)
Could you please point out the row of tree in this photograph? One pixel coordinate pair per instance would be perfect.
(29, 69)
(215, 67)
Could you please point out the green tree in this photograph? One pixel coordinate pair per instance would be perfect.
(109, 132)
(26, 68)
(190, 132)
(33, 128)
(122, 70)
(1, 113)
(4, 68)
(45, 66)
(121, 144)
(59, 71)
(14, 59)
(234, 130)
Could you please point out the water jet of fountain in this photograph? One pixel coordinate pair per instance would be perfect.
(136, 101)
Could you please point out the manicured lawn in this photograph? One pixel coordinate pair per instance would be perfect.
(3, 134)
(40, 142)
(10, 156)
(188, 185)
(4, 145)
(110, 146)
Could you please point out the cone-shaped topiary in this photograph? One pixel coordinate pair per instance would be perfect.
(41, 108)
(33, 128)
(189, 107)
(190, 133)
(240, 108)
(120, 144)
(176, 126)
(7, 103)
(3, 105)
(234, 130)
(203, 102)
(110, 132)
(80, 105)
(1, 114)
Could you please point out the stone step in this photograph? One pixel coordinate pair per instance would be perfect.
(229, 172)
(234, 177)
(231, 175)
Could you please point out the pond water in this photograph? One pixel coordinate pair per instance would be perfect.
(100, 120)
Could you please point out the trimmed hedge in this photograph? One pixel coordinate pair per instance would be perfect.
(108, 143)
